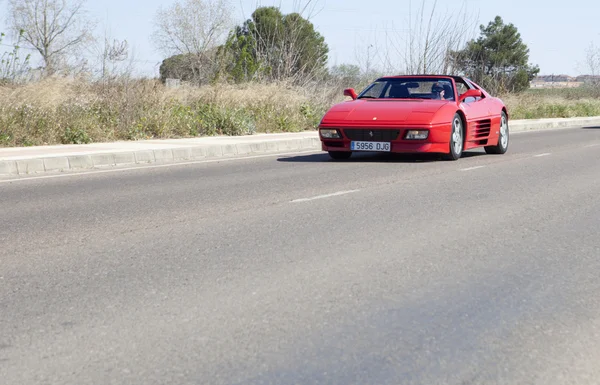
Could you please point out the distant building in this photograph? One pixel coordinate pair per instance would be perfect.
(555, 81)
(593, 79)
(556, 78)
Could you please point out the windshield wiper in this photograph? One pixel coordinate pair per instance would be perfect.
(368, 97)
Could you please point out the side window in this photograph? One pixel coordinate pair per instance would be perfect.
(475, 86)
(465, 85)
(461, 88)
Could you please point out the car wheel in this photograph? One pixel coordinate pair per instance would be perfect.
(340, 155)
(456, 139)
(502, 145)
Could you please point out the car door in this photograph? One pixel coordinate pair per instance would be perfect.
(477, 112)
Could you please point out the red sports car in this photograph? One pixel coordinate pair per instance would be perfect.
(416, 114)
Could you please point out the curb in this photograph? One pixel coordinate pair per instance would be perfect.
(552, 124)
(308, 141)
(62, 163)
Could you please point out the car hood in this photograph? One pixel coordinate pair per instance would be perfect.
(383, 111)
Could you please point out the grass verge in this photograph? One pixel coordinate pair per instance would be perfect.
(554, 103)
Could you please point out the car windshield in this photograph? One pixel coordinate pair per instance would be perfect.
(409, 88)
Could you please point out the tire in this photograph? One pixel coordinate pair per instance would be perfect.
(457, 139)
(502, 146)
(340, 155)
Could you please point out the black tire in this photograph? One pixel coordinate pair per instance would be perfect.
(502, 146)
(457, 139)
(340, 155)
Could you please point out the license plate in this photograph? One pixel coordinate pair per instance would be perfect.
(371, 146)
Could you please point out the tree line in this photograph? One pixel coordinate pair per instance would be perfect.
(202, 45)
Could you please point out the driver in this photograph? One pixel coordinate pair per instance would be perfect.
(438, 91)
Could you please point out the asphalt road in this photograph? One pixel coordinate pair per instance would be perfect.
(298, 269)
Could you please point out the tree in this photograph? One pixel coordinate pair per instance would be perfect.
(187, 67)
(345, 71)
(56, 29)
(113, 58)
(498, 59)
(194, 29)
(275, 46)
(192, 26)
(351, 76)
(12, 66)
(239, 55)
(592, 61)
(427, 38)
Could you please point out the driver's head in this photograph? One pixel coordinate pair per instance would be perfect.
(437, 89)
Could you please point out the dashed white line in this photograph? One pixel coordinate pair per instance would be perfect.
(540, 155)
(325, 196)
(471, 168)
(592, 145)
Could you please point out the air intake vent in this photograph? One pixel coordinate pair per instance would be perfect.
(372, 135)
(482, 129)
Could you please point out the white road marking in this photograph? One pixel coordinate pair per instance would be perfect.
(540, 155)
(471, 168)
(593, 145)
(325, 196)
(150, 166)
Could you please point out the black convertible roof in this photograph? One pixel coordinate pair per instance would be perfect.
(456, 78)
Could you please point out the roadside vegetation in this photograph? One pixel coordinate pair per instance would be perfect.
(62, 111)
(268, 74)
(554, 103)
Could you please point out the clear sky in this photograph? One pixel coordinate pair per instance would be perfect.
(557, 32)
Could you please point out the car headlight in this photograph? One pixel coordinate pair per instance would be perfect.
(417, 134)
(330, 134)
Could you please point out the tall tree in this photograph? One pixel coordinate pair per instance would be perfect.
(275, 46)
(193, 29)
(426, 37)
(239, 56)
(498, 59)
(56, 29)
(192, 26)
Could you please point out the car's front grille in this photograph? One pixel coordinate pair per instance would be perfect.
(371, 135)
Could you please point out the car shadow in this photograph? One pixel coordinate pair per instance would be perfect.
(374, 158)
(591, 128)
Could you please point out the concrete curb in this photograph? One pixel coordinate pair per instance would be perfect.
(62, 163)
(551, 124)
(195, 152)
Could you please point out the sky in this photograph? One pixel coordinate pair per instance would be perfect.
(557, 33)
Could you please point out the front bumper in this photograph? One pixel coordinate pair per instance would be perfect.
(436, 142)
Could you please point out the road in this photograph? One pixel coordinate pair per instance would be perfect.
(298, 269)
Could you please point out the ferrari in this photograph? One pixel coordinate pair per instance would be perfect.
(416, 114)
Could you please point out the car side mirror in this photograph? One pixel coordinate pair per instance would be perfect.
(470, 94)
(350, 92)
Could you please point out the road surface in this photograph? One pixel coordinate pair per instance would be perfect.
(296, 269)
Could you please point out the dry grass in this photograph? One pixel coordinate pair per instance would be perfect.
(554, 103)
(63, 111)
(72, 111)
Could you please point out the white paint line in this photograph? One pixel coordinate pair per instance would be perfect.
(471, 168)
(592, 145)
(325, 196)
(150, 166)
(540, 155)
